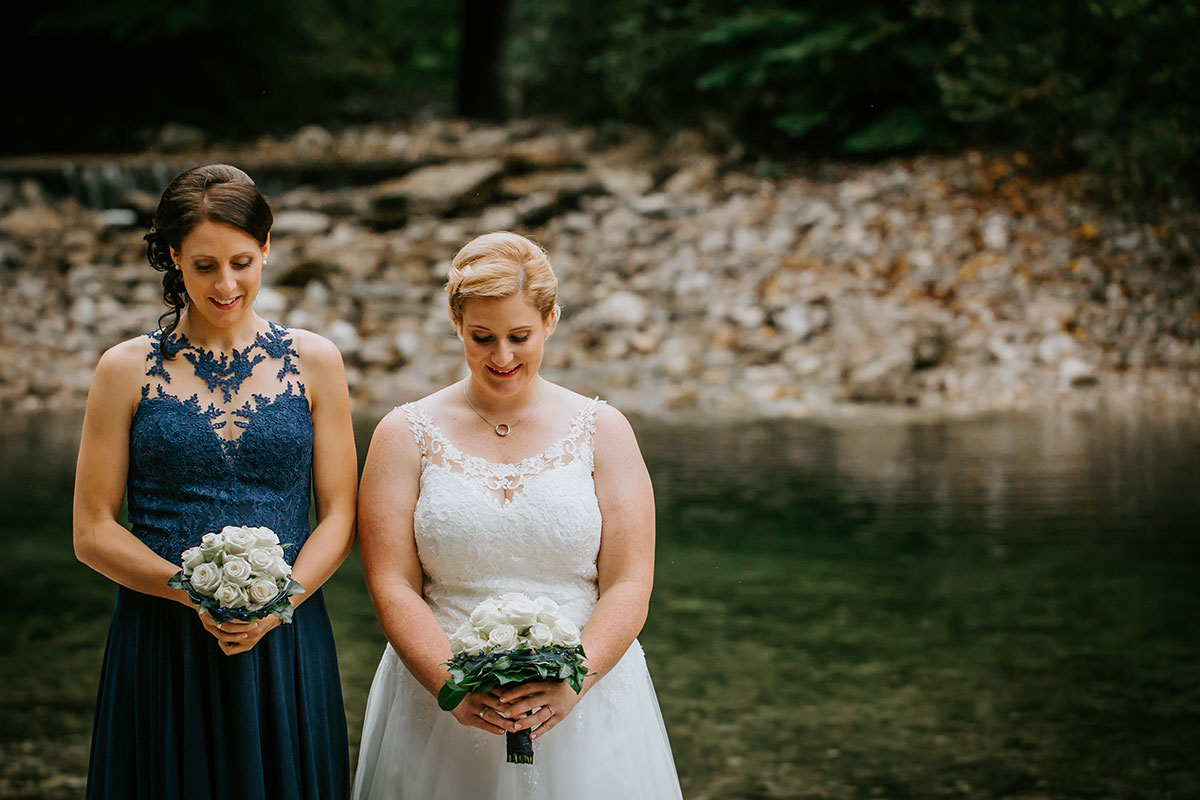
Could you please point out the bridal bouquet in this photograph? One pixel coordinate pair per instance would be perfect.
(238, 574)
(508, 641)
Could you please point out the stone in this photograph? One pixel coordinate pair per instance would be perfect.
(1076, 373)
(441, 189)
(298, 222)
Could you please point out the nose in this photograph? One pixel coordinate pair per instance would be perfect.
(503, 353)
(226, 283)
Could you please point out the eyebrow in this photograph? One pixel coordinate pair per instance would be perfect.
(511, 330)
(235, 255)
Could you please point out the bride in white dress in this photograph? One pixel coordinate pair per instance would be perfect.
(505, 482)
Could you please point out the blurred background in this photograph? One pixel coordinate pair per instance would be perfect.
(902, 299)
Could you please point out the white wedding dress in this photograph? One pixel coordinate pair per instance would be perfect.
(474, 545)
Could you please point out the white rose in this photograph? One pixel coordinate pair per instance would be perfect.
(540, 635)
(486, 616)
(519, 610)
(280, 570)
(465, 640)
(239, 540)
(190, 559)
(262, 591)
(236, 571)
(230, 596)
(211, 543)
(264, 537)
(503, 637)
(471, 643)
(547, 610)
(206, 578)
(261, 561)
(565, 633)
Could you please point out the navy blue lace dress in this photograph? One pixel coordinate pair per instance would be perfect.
(218, 441)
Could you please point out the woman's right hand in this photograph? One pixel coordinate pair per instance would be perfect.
(231, 636)
(483, 710)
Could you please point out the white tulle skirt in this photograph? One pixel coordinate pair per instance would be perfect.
(613, 746)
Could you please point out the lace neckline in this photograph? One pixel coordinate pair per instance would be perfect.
(584, 420)
(224, 372)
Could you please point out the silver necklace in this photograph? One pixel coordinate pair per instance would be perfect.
(503, 429)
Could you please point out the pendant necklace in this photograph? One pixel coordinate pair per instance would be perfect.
(503, 429)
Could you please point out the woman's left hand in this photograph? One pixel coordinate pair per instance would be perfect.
(240, 637)
(539, 705)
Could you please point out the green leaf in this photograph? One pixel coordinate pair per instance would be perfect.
(449, 697)
(899, 129)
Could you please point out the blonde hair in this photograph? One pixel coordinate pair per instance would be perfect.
(502, 264)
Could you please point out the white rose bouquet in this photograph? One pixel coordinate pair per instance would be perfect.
(238, 574)
(508, 641)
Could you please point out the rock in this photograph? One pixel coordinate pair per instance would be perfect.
(441, 189)
(795, 321)
(652, 205)
(119, 218)
(624, 181)
(176, 137)
(344, 336)
(1054, 348)
(304, 272)
(305, 223)
(620, 309)
(552, 151)
(931, 343)
(269, 303)
(995, 232)
(312, 140)
(1075, 373)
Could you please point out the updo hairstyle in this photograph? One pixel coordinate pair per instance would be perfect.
(214, 193)
(499, 265)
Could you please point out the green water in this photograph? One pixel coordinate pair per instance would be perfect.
(1003, 608)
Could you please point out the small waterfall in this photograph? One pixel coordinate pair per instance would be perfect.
(103, 185)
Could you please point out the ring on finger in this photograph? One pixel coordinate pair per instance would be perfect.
(482, 711)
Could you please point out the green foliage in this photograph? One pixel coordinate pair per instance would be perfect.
(1107, 85)
(236, 69)
(482, 673)
(1111, 85)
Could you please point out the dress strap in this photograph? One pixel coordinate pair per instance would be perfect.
(585, 429)
(420, 425)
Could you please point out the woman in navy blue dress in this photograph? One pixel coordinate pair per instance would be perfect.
(217, 418)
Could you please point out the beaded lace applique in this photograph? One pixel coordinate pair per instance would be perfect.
(224, 376)
(226, 372)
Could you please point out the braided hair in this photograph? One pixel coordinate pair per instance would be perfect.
(213, 193)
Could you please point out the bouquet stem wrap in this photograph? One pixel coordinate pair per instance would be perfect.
(519, 747)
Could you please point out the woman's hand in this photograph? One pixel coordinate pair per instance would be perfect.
(538, 705)
(238, 637)
(484, 710)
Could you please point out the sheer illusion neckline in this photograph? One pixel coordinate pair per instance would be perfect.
(224, 371)
(503, 481)
(579, 421)
(223, 375)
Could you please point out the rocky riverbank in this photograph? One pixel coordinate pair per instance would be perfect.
(692, 282)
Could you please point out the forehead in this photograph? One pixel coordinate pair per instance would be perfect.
(500, 313)
(217, 237)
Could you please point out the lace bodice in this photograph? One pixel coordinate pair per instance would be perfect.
(474, 544)
(191, 471)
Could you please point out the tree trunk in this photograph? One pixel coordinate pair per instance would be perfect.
(480, 76)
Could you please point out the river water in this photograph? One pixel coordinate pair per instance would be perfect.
(1004, 607)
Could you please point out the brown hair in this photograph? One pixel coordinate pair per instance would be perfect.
(214, 193)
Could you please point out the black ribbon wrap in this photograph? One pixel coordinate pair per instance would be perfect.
(519, 747)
